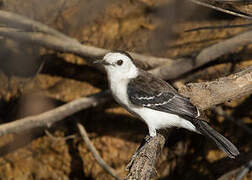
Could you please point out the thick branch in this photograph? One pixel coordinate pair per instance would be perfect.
(208, 94)
(143, 166)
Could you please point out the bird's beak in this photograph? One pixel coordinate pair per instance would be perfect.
(101, 62)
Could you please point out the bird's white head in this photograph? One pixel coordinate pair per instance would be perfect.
(119, 65)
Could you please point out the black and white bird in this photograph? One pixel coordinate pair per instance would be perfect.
(155, 101)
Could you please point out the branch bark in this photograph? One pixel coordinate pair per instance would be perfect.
(208, 94)
(143, 166)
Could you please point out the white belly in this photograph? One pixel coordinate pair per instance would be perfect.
(154, 119)
(159, 119)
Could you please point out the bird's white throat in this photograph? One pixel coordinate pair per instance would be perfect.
(117, 76)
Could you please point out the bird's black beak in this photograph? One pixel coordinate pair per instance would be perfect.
(101, 62)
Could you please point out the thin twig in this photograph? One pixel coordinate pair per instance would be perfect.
(221, 9)
(73, 136)
(219, 27)
(95, 153)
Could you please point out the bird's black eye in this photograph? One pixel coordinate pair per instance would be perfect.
(119, 62)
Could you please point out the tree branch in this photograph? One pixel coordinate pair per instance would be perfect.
(208, 94)
(22, 28)
(219, 27)
(143, 166)
(46, 119)
(182, 66)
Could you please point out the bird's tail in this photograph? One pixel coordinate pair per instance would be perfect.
(222, 142)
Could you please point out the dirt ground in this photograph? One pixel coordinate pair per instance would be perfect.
(144, 26)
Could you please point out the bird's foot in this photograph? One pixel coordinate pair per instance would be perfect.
(148, 138)
(142, 146)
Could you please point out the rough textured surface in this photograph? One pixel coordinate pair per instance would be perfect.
(143, 167)
(219, 90)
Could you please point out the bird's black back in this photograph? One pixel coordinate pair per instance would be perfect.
(151, 92)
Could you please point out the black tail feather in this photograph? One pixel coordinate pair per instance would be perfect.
(222, 143)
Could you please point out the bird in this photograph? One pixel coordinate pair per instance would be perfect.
(155, 101)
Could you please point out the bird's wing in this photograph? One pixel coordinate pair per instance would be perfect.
(150, 92)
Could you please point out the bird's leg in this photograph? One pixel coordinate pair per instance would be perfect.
(142, 146)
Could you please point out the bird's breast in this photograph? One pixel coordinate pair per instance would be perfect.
(119, 91)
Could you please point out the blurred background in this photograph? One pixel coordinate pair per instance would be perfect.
(34, 80)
